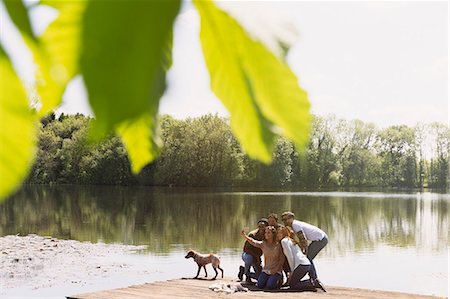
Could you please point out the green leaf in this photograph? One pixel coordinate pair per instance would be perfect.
(260, 91)
(17, 129)
(122, 46)
(140, 135)
(19, 15)
(58, 4)
(140, 140)
(58, 54)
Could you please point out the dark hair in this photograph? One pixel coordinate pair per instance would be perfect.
(264, 220)
(273, 215)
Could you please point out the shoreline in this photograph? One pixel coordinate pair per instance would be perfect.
(43, 266)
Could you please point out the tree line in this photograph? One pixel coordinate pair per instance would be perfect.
(203, 152)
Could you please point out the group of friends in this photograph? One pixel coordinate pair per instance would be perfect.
(288, 248)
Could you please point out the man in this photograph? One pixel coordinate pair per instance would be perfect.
(308, 232)
(272, 219)
(252, 255)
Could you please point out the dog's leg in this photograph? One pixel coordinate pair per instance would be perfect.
(220, 270)
(206, 273)
(215, 270)
(198, 272)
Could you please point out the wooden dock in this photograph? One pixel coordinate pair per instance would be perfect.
(199, 288)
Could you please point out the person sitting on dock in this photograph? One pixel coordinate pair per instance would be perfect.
(252, 255)
(270, 276)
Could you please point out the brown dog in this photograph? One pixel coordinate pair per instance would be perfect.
(204, 259)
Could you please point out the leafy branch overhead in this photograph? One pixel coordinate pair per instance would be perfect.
(123, 49)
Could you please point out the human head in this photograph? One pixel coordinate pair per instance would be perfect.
(270, 233)
(283, 232)
(273, 219)
(262, 223)
(287, 218)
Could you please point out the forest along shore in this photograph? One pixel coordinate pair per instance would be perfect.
(203, 152)
(42, 262)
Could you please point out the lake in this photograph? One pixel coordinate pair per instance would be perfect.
(388, 241)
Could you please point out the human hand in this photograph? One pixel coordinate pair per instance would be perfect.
(244, 231)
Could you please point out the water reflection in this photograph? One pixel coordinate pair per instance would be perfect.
(165, 219)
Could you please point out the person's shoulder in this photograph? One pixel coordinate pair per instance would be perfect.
(285, 241)
(297, 223)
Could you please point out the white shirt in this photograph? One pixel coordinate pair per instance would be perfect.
(293, 253)
(312, 233)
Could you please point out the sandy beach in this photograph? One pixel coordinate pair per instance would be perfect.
(37, 263)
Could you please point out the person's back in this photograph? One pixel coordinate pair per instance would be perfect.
(293, 253)
(312, 233)
(298, 262)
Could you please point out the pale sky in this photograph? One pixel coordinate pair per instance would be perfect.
(381, 62)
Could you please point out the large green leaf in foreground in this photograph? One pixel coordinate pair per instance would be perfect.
(260, 91)
(122, 46)
(126, 52)
(19, 15)
(55, 52)
(140, 136)
(59, 53)
(17, 129)
(140, 139)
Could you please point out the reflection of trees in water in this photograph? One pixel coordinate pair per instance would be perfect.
(164, 218)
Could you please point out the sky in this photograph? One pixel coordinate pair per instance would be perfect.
(377, 61)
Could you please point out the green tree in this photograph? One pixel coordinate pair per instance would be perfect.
(321, 161)
(440, 164)
(360, 165)
(398, 153)
(203, 152)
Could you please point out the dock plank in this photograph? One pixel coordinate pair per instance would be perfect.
(198, 288)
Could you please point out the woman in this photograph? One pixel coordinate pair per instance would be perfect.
(270, 276)
(298, 262)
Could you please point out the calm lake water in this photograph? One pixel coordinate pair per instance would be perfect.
(386, 241)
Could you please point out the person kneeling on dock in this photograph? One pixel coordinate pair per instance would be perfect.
(270, 276)
(308, 232)
(298, 261)
(252, 255)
